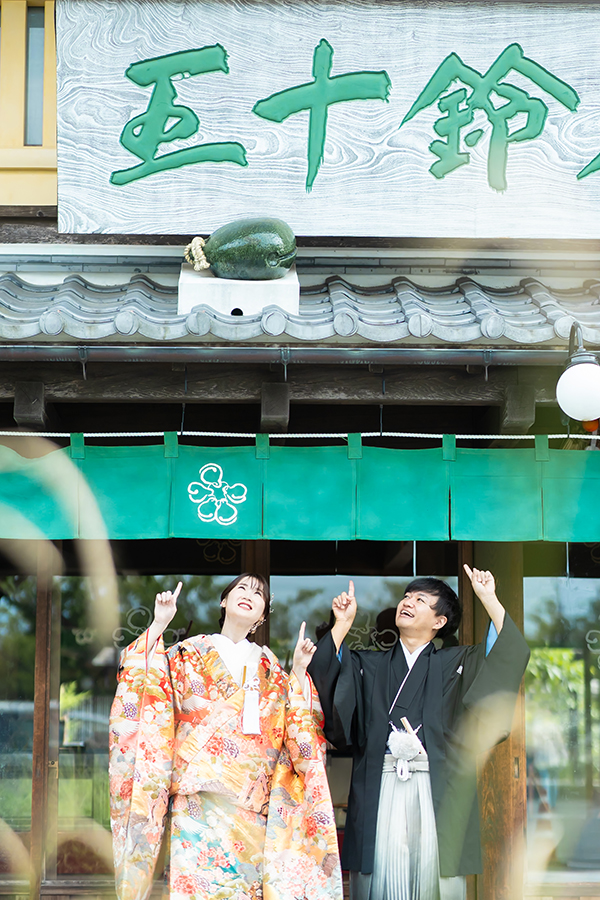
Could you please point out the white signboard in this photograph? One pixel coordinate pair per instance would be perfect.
(342, 117)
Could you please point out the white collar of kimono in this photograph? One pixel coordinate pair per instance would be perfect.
(237, 656)
(242, 660)
(411, 658)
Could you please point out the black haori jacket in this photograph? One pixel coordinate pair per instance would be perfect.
(465, 702)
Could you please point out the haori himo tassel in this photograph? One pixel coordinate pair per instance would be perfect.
(405, 747)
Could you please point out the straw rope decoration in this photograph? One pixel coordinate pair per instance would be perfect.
(194, 254)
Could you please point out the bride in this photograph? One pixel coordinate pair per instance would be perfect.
(214, 746)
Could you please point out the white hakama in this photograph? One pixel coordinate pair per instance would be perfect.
(406, 851)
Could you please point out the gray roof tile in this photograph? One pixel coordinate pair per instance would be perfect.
(400, 311)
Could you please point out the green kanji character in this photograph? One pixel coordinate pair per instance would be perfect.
(164, 121)
(591, 167)
(317, 96)
(460, 108)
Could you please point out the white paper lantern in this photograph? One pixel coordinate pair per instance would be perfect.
(578, 390)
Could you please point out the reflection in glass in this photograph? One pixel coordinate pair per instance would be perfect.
(86, 689)
(17, 654)
(562, 618)
(307, 598)
(299, 598)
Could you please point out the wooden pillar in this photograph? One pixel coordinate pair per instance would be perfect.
(587, 722)
(466, 635)
(503, 779)
(256, 557)
(53, 714)
(43, 768)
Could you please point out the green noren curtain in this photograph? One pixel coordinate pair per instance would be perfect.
(305, 493)
(404, 495)
(496, 495)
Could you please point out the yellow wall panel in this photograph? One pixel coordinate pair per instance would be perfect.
(12, 72)
(27, 174)
(27, 188)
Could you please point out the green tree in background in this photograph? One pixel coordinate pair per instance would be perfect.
(198, 611)
(17, 637)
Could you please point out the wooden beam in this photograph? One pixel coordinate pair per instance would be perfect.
(518, 411)
(274, 407)
(28, 212)
(409, 385)
(29, 408)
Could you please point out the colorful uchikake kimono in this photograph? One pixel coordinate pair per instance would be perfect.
(247, 816)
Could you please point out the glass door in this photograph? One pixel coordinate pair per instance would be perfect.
(18, 605)
(304, 579)
(562, 692)
(87, 681)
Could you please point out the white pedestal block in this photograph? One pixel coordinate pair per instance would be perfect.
(234, 297)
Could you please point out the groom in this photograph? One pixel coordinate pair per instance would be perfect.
(412, 827)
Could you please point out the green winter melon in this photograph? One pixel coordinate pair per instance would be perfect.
(249, 249)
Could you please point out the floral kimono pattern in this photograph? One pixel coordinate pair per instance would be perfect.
(248, 816)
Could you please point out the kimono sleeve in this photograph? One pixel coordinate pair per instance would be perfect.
(301, 849)
(339, 685)
(304, 739)
(140, 761)
(494, 685)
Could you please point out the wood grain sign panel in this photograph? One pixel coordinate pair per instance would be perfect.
(343, 117)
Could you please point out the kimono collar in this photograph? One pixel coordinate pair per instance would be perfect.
(213, 664)
(238, 657)
(409, 679)
(411, 658)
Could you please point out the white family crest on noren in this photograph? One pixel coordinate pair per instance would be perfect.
(217, 500)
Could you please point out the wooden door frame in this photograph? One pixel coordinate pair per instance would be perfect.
(498, 781)
(44, 768)
(503, 778)
(256, 557)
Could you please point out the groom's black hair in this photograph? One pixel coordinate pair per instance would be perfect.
(447, 603)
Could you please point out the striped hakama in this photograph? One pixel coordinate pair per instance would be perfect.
(406, 849)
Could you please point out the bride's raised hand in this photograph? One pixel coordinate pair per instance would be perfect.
(165, 606)
(304, 650)
(303, 653)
